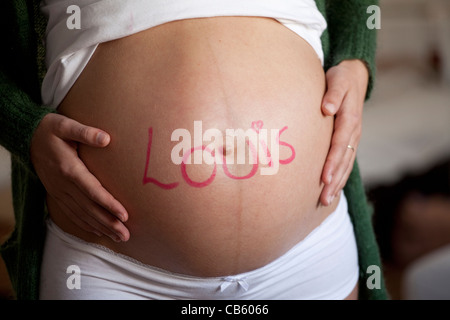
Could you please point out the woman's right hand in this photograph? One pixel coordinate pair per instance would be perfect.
(78, 193)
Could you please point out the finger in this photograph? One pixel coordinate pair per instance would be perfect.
(69, 129)
(97, 217)
(104, 217)
(344, 127)
(101, 204)
(96, 201)
(334, 96)
(114, 226)
(93, 189)
(345, 176)
(325, 198)
(344, 172)
(66, 207)
(331, 190)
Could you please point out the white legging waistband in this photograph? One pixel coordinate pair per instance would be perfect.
(324, 265)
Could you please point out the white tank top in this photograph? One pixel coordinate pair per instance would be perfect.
(68, 49)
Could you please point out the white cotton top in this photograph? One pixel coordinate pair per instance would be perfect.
(68, 50)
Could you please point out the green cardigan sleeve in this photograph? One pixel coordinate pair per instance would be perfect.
(20, 109)
(20, 113)
(349, 36)
(19, 117)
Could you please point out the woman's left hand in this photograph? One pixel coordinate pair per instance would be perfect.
(344, 99)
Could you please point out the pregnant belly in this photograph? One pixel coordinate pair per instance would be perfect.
(217, 141)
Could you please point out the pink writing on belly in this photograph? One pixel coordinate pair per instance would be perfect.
(252, 172)
(256, 126)
(147, 179)
(184, 172)
(281, 143)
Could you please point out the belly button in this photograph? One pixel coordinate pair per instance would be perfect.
(224, 151)
(227, 150)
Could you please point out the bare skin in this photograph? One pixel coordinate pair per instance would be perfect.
(228, 78)
(344, 99)
(238, 108)
(57, 137)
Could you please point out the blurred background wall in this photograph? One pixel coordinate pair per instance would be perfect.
(403, 154)
(404, 151)
(406, 122)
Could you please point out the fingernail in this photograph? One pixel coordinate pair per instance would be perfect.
(101, 138)
(122, 237)
(331, 108)
(329, 177)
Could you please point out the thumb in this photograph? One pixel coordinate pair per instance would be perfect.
(69, 129)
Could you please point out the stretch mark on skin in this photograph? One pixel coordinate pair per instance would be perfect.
(238, 201)
(239, 231)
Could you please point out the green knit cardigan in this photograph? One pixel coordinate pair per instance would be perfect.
(22, 70)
